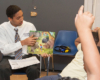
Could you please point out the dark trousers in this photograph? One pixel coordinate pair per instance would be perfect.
(5, 69)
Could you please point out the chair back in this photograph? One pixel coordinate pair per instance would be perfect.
(66, 38)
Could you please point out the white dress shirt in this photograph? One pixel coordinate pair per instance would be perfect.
(7, 37)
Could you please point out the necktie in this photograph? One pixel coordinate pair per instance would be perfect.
(18, 53)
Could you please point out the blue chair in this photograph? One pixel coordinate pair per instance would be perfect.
(66, 38)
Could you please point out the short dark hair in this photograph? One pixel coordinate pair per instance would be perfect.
(67, 78)
(12, 10)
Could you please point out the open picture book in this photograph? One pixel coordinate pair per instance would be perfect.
(44, 43)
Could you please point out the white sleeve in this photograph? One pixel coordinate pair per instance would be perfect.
(33, 27)
(79, 46)
(5, 47)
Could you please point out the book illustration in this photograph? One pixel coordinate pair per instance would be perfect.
(44, 44)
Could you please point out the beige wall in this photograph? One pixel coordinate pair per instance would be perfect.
(96, 13)
(88, 5)
(93, 6)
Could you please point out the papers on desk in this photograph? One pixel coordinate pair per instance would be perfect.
(17, 64)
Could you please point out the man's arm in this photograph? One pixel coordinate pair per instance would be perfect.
(5, 47)
(83, 22)
(29, 41)
(8, 48)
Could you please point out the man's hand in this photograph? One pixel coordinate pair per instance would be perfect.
(83, 20)
(29, 41)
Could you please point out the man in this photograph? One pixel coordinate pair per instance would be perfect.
(14, 39)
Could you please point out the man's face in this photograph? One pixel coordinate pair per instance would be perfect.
(17, 19)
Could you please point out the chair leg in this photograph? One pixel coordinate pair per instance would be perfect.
(52, 63)
(40, 63)
(48, 65)
(44, 63)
